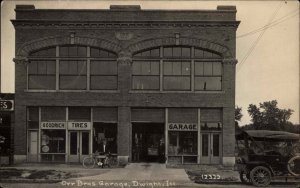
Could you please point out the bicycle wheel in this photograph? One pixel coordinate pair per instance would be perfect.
(113, 162)
(88, 162)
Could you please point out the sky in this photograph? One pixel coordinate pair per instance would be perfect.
(267, 46)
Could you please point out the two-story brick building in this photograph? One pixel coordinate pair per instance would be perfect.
(146, 85)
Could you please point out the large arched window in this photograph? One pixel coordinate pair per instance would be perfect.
(72, 67)
(177, 68)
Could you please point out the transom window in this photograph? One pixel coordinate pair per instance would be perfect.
(72, 68)
(177, 68)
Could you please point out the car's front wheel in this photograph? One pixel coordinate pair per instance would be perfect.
(245, 177)
(260, 176)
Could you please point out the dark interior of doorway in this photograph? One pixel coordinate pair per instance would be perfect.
(148, 144)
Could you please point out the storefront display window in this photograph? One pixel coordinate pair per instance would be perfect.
(53, 141)
(182, 143)
(105, 137)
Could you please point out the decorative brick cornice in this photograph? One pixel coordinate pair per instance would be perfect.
(121, 24)
(34, 45)
(125, 58)
(200, 43)
(230, 61)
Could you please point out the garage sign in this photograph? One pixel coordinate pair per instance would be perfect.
(182, 127)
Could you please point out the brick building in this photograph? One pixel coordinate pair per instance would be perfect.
(146, 85)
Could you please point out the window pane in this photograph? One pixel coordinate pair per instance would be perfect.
(32, 67)
(186, 52)
(50, 52)
(177, 83)
(53, 114)
(145, 69)
(199, 68)
(72, 67)
(82, 51)
(168, 68)
(80, 113)
(42, 67)
(107, 132)
(155, 52)
(95, 52)
(208, 83)
(145, 82)
(136, 67)
(154, 67)
(85, 142)
(208, 68)
(33, 118)
(168, 52)
(104, 67)
(41, 82)
(217, 68)
(216, 145)
(73, 143)
(51, 67)
(72, 82)
(104, 82)
(176, 68)
(186, 68)
(198, 53)
(73, 51)
(188, 143)
(204, 144)
(207, 54)
(63, 51)
(176, 52)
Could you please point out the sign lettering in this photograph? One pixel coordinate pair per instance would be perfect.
(79, 125)
(53, 125)
(182, 127)
(6, 105)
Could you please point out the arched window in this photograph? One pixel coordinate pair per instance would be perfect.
(72, 67)
(177, 68)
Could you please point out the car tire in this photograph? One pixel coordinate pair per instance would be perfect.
(260, 176)
(293, 166)
(245, 177)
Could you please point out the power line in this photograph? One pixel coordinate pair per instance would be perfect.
(259, 37)
(272, 24)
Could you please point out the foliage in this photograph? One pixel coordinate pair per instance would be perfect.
(269, 117)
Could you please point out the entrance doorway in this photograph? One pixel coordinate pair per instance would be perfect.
(148, 144)
(32, 146)
(211, 150)
(79, 145)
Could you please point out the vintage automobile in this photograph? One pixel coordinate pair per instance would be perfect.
(262, 155)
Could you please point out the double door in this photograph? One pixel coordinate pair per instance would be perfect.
(79, 145)
(210, 148)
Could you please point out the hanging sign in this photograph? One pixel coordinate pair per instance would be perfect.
(182, 127)
(79, 125)
(53, 125)
(6, 105)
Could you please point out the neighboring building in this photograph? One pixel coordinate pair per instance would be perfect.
(142, 84)
(6, 128)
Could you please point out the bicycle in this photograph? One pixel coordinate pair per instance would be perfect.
(108, 160)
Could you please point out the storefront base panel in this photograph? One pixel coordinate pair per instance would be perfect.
(4, 160)
(123, 160)
(228, 161)
(20, 159)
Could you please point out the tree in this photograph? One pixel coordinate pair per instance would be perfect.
(269, 116)
(238, 115)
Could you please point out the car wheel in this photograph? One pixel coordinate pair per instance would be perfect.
(245, 177)
(260, 176)
(294, 165)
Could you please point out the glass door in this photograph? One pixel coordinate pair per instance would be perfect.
(210, 148)
(79, 142)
